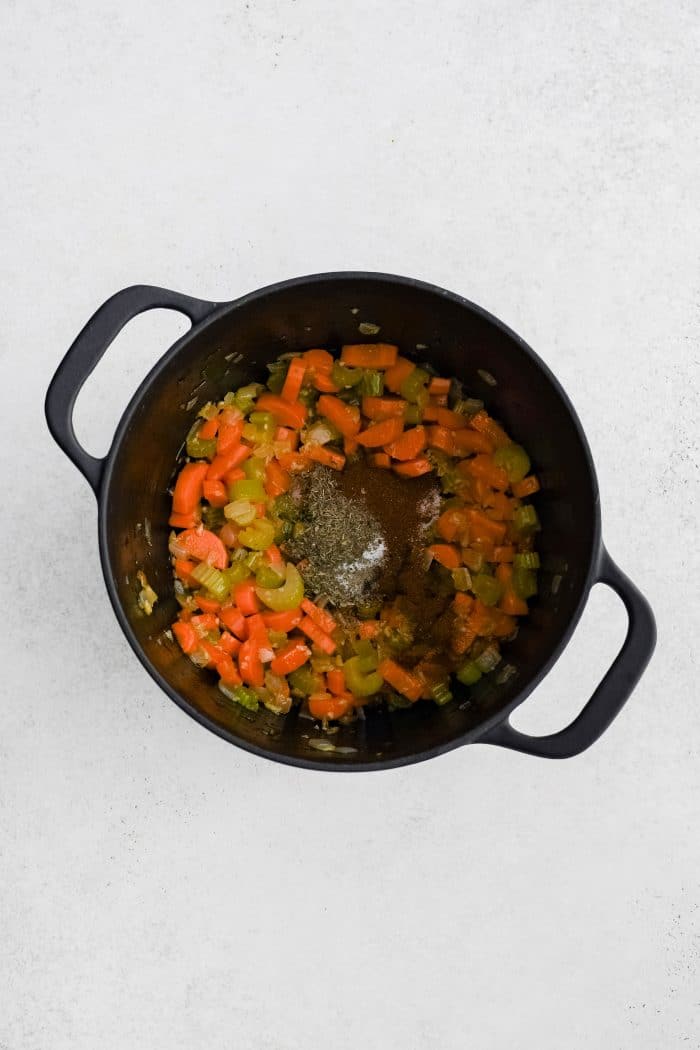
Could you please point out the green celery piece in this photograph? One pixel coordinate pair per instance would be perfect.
(469, 673)
(524, 582)
(361, 683)
(211, 578)
(249, 488)
(259, 535)
(305, 681)
(289, 596)
(487, 588)
(514, 460)
(254, 468)
(414, 385)
(345, 377)
(372, 383)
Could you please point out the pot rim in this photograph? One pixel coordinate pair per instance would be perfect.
(470, 736)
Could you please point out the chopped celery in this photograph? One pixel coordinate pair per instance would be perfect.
(305, 681)
(266, 576)
(366, 655)
(288, 596)
(368, 610)
(238, 572)
(200, 448)
(487, 660)
(371, 383)
(468, 406)
(462, 579)
(414, 385)
(278, 374)
(213, 518)
(307, 395)
(525, 519)
(487, 589)
(254, 468)
(208, 411)
(245, 398)
(440, 693)
(322, 662)
(396, 702)
(211, 578)
(286, 507)
(253, 559)
(259, 535)
(469, 673)
(345, 377)
(413, 414)
(359, 682)
(240, 695)
(283, 531)
(265, 422)
(524, 582)
(526, 560)
(514, 460)
(241, 511)
(253, 434)
(250, 489)
(277, 638)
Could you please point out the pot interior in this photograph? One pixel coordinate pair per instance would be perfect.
(233, 349)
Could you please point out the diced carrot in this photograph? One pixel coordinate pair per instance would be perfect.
(221, 465)
(287, 413)
(482, 527)
(438, 385)
(336, 680)
(317, 635)
(228, 534)
(227, 670)
(378, 408)
(293, 380)
(466, 441)
(368, 628)
(234, 619)
(188, 487)
(288, 435)
(369, 355)
(204, 622)
(527, 487)
(345, 418)
(294, 462)
(257, 634)
(403, 681)
(229, 437)
(452, 524)
(504, 554)
(277, 479)
(245, 597)
(250, 665)
(500, 507)
(409, 445)
(440, 400)
(482, 466)
(446, 555)
(378, 434)
(206, 604)
(462, 603)
(483, 422)
(325, 456)
(394, 376)
(463, 637)
(449, 419)
(482, 545)
(380, 459)
(234, 475)
(273, 557)
(318, 360)
(413, 468)
(208, 428)
(183, 571)
(184, 521)
(325, 707)
(216, 493)
(504, 573)
(350, 446)
(324, 384)
(441, 437)
(512, 605)
(324, 619)
(290, 658)
(204, 546)
(283, 621)
(430, 412)
(186, 636)
(229, 644)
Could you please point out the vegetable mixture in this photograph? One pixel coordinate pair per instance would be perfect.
(293, 592)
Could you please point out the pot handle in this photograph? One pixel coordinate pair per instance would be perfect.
(101, 330)
(614, 690)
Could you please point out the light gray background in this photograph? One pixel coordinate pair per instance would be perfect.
(163, 890)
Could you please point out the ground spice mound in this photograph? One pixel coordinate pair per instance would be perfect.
(361, 529)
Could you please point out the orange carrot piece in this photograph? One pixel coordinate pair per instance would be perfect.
(293, 380)
(482, 466)
(483, 422)
(438, 385)
(208, 428)
(527, 487)
(250, 665)
(413, 468)
(209, 605)
(369, 355)
(229, 436)
(184, 521)
(222, 464)
(378, 408)
(233, 619)
(409, 445)
(441, 437)
(245, 597)
(345, 418)
(336, 680)
(512, 605)
(317, 635)
(403, 681)
(483, 527)
(228, 643)
(324, 384)
(187, 637)
(277, 479)
(290, 658)
(368, 628)
(326, 706)
(381, 460)
(288, 435)
(183, 571)
(204, 546)
(466, 441)
(283, 621)
(446, 555)
(394, 376)
(227, 670)
(318, 360)
(288, 414)
(324, 619)
(504, 554)
(447, 418)
(325, 456)
(452, 524)
(294, 462)
(462, 603)
(216, 493)
(188, 487)
(350, 446)
(430, 412)
(378, 434)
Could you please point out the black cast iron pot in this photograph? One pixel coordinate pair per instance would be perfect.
(228, 345)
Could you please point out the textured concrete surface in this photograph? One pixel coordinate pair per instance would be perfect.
(161, 890)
